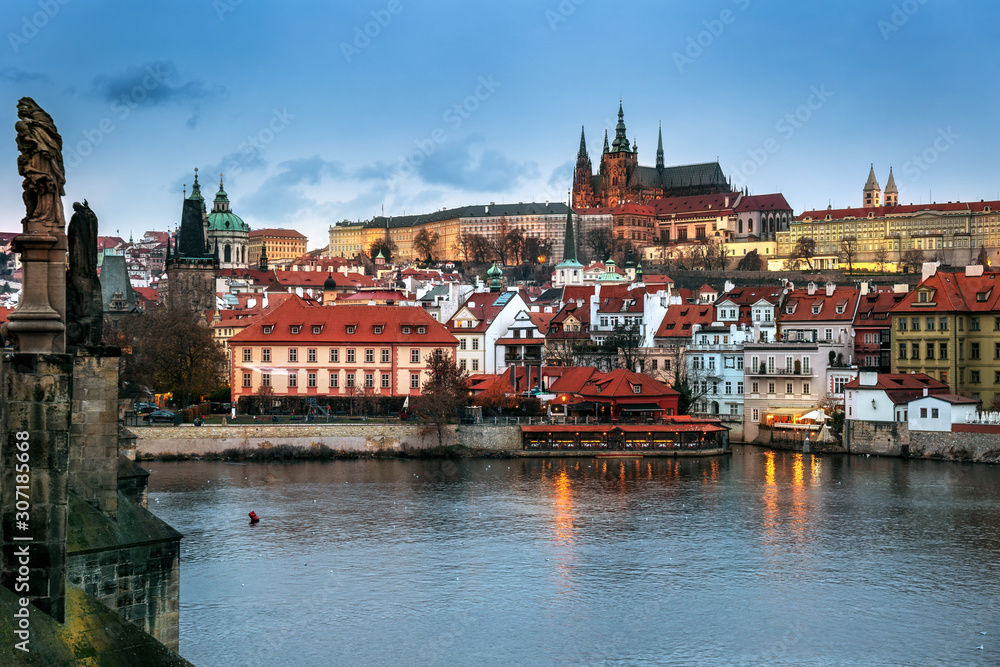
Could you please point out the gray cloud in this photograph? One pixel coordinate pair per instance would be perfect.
(16, 75)
(459, 164)
(157, 83)
(278, 197)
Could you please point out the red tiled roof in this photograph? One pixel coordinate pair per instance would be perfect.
(772, 202)
(679, 319)
(714, 204)
(618, 384)
(334, 321)
(896, 381)
(276, 233)
(954, 292)
(803, 304)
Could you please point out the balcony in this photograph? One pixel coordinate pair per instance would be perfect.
(782, 372)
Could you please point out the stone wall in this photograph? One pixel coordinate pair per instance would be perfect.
(93, 457)
(189, 440)
(981, 445)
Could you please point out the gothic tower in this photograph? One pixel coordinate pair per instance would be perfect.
(618, 164)
(891, 193)
(583, 177)
(191, 268)
(872, 194)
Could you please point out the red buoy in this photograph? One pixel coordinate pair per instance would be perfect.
(253, 517)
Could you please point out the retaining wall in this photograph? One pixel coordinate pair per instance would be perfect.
(189, 440)
(896, 439)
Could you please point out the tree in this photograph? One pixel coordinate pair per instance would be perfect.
(847, 252)
(386, 246)
(750, 262)
(515, 244)
(444, 392)
(625, 345)
(498, 396)
(171, 351)
(536, 250)
(913, 260)
(424, 242)
(881, 257)
(983, 259)
(804, 250)
(691, 386)
(600, 241)
(499, 241)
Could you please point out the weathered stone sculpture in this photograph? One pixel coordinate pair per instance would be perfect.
(38, 323)
(83, 297)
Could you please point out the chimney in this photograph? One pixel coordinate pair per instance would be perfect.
(830, 287)
(868, 378)
(811, 288)
(864, 288)
(974, 270)
(927, 270)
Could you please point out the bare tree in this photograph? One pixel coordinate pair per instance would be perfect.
(600, 241)
(913, 260)
(424, 242)
(881, 257)
(804, 250)
(847, 252)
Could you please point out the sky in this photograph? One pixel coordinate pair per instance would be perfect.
(319, 111)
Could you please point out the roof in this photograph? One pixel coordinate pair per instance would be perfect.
(471, 211)
(619, 384)
(954, 399)
(672, 206)
(772, 202)
(896, 381)
(679, 319)
(277, 234)
(897, 211)
(841, 305)
(333, 323)
(953, 292)
(681, 176)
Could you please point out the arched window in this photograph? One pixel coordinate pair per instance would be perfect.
(227, 254)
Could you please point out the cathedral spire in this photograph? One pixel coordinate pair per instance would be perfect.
(891, 192)
(659, 152)
(620, 144)
(196, 188)
(582, 153)
(606, 149)
(872, 194)
(569, 241)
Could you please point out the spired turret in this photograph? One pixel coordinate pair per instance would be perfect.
(872, 194)
(891, 192)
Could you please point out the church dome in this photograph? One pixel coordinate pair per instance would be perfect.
(329, 283)
(222, 219)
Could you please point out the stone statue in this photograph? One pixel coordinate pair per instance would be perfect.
(38, 324)
(41, 164)
(84, 309)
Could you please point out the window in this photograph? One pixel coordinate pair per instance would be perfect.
(770, 366)
(268, 328)
(334, 379)
(902, 324)
(961, 323)
(265, 354)
(974, 324)
(414, 356)
(293, 380)
(311, 354)
(350, 328)
(755, 415)
(385, 380)
(461, 343)
(942, 351)
(770, 387)
(934, 413)
(377, 329)
(317, 329)
(265, 379)
(805, 365)
(385, 356)
(729, 387)
(914, 350)
(715, 387)
(311, 380)
(805, 389)
(247, 354)
(369, 380)
(902, 350)
(293, 354)
(838, 385)
(350, 380)
(930, 324)
(369, 356)
(996, 377)
(296, 328)
(930, 351)
(636, 389)
(755, 387)
(335, 355)
(996, 350)
(246, 379)
(739, 364)
(475, 364)
(421, 330)
(739, 388)
(475, 343)
(462, 364)
(788, 388)
(654, 364)
(350, 356)
(829, 334)
(406, 330)
(974, 377)
(788, 364)
(973, 350)
(915, 324)
(923, 413)
(414, 380)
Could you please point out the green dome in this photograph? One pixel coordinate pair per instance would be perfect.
(226, 221)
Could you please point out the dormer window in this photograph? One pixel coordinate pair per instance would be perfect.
(268, 328)
(840, 310)
(421, 330)
(815, 310)
(636, 388)
(406, 330)
(296, 328)
(317, 329)
(788, 311)
(377, 329)
(350, 328)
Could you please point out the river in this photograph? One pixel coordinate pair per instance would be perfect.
(759, 558)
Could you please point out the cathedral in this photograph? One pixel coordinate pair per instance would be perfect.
(621, 179)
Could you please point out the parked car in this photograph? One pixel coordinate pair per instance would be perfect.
(143, 408)
(165, 416)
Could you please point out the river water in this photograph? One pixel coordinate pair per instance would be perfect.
(760, 558)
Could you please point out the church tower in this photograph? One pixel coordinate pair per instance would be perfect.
(583, 177)
(872, 194)
(191, 267)
(617, 165)
(228, 235)
(891, 193)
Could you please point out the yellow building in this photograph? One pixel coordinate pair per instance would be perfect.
(949, 328)
(282, 244)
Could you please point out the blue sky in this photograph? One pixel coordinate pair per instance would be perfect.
(322, 111)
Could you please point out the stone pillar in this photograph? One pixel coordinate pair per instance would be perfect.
(33, 497)
(93, 456)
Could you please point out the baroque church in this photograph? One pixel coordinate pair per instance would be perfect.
(621, 179)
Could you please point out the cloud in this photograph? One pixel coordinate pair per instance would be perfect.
(562, 175)
(280, 196)
(462, 164)
(16, 75)
(157, 83)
